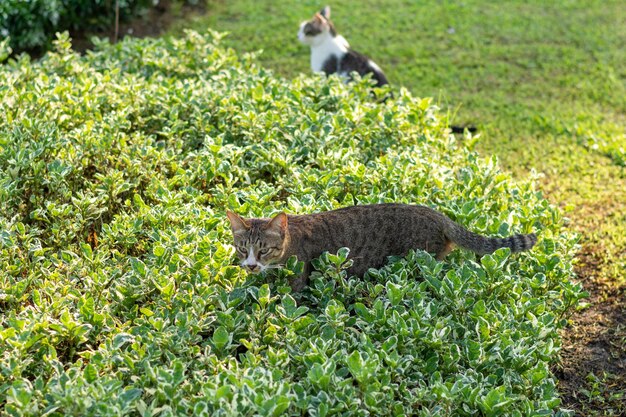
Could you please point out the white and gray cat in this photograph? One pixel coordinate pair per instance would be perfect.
(331, 53)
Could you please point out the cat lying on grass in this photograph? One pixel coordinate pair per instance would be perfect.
(372, 232)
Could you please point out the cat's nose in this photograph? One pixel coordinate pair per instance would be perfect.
(253, 267)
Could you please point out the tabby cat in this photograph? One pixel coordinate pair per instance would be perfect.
(372, 232)
(331, 53)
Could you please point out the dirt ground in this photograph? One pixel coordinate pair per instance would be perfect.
(592, 370)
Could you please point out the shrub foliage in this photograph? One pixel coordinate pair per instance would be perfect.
(31, 24)
(117, 289)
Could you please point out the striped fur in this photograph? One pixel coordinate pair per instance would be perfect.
(372, 232)
(482, 245)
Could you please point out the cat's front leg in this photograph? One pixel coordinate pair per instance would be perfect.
(301, 281)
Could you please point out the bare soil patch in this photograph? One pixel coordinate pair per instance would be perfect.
(592, 372)
(592, 367)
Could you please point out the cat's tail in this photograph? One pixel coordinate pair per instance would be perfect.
(482, 245)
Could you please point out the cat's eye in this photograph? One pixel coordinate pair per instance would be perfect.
(242, 250)
(264, 252)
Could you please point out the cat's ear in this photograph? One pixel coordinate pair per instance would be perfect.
(237, 223)
(278, 224)
(325, 12)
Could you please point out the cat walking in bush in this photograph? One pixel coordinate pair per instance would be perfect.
(372, 232)
(331, 53)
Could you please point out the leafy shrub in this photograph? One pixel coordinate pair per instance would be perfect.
(118, 292)
(32, 23)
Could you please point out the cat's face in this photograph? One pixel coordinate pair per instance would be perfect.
(313, 32)
(260, 243)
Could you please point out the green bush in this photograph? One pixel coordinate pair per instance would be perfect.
(117, 288)
(31, 24)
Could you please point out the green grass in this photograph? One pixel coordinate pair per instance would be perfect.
(516, 67)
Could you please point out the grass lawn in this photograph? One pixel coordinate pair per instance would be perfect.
(545, 84)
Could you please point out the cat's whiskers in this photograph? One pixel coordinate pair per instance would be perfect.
(274, 266)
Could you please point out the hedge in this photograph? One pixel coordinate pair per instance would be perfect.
(119, 291)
